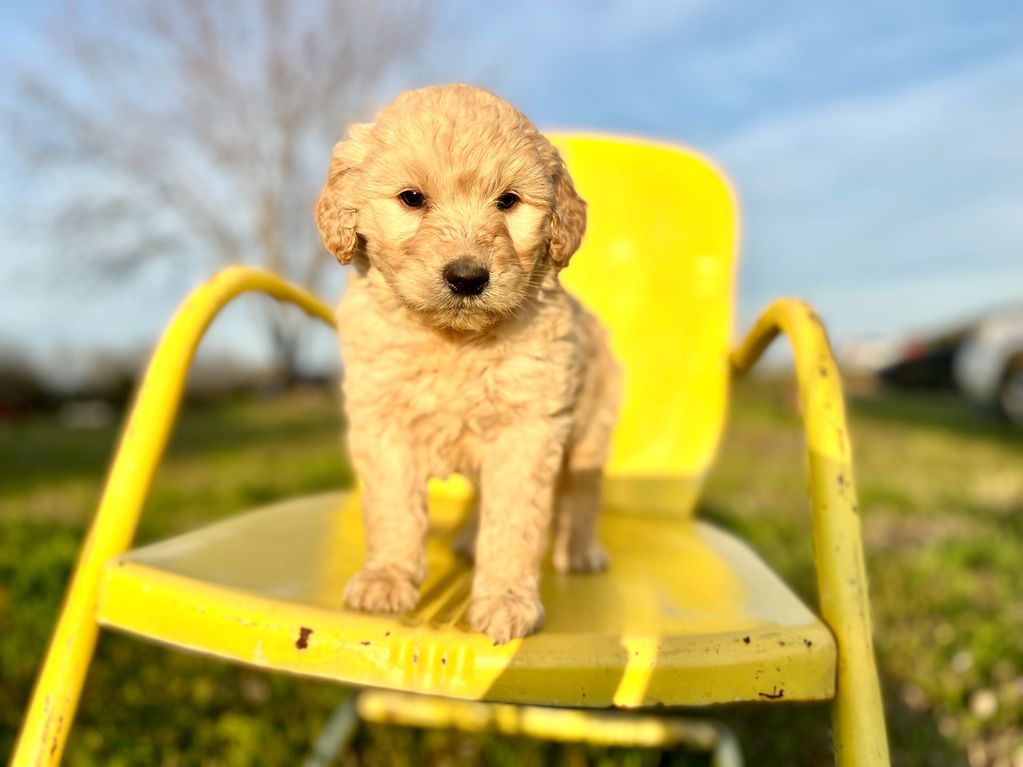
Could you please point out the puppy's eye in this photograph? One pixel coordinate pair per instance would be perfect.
(507, 201)
(410, 198)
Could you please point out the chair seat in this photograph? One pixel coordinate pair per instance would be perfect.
(686, 615)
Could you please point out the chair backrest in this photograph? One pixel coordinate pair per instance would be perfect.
(657, 265)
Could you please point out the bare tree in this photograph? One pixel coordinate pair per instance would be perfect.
(202, 127)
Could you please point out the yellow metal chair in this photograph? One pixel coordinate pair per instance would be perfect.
(687, 615)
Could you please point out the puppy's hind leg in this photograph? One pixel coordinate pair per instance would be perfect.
(576, 547)
(577, 501)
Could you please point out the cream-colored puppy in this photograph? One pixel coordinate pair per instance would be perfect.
(462, 351)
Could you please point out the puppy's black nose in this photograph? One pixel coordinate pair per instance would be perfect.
(466, 276)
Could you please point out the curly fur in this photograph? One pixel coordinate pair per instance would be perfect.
(514, 388)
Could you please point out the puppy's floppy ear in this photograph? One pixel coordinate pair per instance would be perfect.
(337, 207)
(569, 220)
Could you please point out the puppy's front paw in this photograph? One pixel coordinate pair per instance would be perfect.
(383, 590)
(506, 616)
(590, 558)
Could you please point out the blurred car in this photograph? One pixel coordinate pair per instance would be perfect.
(926, 362)
(989, 363)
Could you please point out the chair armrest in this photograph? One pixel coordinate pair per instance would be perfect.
(141, 446)
(837, 541)
(159, 394)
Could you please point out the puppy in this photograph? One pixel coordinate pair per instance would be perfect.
(462, 351)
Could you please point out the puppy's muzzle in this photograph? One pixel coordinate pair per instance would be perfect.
(466, 276)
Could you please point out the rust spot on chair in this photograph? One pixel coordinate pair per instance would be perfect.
(303, 638)
(745, 640)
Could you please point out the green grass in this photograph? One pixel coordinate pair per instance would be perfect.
(942, 502)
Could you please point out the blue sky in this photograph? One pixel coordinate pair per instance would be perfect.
(877, 148)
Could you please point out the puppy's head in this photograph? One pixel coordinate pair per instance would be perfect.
(457, 200)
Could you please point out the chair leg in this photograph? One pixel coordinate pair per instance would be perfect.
(727, 752)
(857, 724)
(336, 734)
(55, 697)
(566, 725)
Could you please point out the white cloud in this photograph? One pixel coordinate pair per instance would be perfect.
(895, 192)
